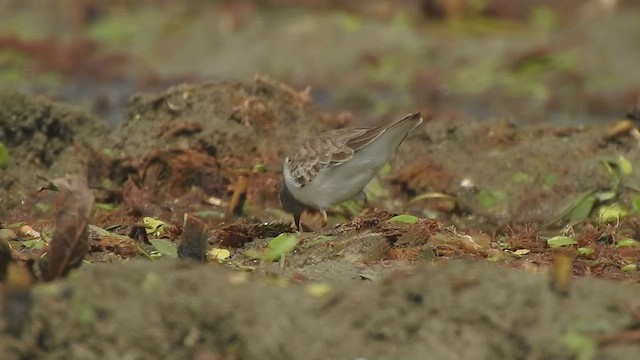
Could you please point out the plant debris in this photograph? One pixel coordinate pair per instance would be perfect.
(70, 242)
(193, 241)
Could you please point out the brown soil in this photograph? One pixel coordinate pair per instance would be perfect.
(44, 138)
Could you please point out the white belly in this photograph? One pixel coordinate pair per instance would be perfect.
(333, 186)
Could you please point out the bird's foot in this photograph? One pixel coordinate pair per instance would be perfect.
(296, 222)
(325, 218)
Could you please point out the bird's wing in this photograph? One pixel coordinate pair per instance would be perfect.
(329, 149)
(333, 148)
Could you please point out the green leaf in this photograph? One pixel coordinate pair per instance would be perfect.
(407, 219)
(629, 268)
(488, 199)
(625, 165)
(582, 346)
(561, 241)
(582, 209)
(613, 169)
(567, 210)
(107, 184)
(259, 168)
(35, 244)
(611, 213)
(549, 180)
(283, 243)
(317, 241)
(627, 242)
(16, 225)
(276, 249)
(219, 254)
(386, 170)
(635, 204)
(42, 208)
(104, 206)
(351, 207)
(606, 195)
(318, 289)
(4, 156)
(165, 247)
(585, 251)
(114, 29)
(155, 227)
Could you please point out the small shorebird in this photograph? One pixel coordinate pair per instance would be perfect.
(336, 165)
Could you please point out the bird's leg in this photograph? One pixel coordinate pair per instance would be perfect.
(362, 196)
(325, 218)
(296, 220)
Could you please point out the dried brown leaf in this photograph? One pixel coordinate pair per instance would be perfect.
(70, 242)
(138, 202)
(236, 235)
(193, 241)
(102, 240)
(239, 196)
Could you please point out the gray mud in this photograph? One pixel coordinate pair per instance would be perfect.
(144, 310)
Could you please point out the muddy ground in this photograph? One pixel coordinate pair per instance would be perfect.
(179, 310)
(518, 239)
(167, 160)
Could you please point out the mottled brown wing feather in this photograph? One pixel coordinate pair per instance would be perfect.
(333, 148)
(360, 141)
(329, 149)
